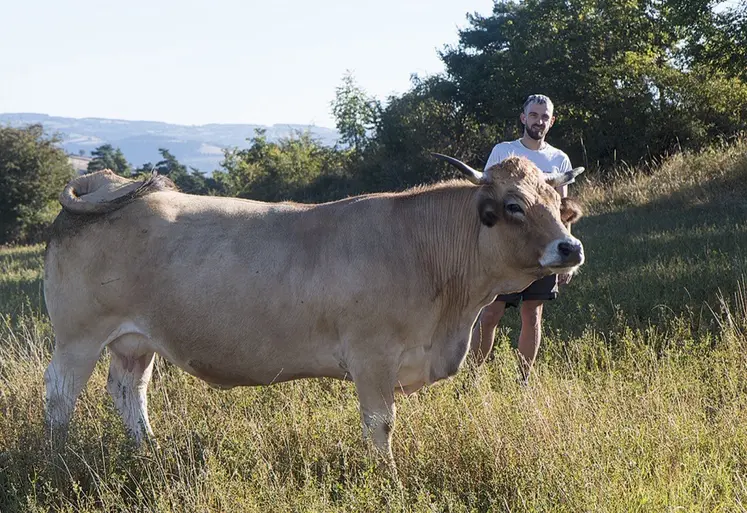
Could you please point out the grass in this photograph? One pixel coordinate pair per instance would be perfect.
(638, 402)
(21, 278)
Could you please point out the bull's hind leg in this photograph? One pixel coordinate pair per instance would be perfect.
(129, 374)
(65, 377)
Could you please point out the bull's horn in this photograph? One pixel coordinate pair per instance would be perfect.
(473, 175)
(559, 179)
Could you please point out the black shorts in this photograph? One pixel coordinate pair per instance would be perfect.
(544, 289)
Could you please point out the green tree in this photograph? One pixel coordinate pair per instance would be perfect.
(108, 157)
(178, 173)
(617, 71)
(425, 119)
(296, 168)
(33, 172)
(355, 113)
(192, 181)
(719, 40)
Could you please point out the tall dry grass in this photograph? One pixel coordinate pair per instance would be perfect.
(637, 402)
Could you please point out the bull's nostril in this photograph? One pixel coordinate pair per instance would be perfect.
(565, 252)
(565, 249)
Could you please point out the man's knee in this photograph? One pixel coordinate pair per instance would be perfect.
(531, 311)
(492, 313)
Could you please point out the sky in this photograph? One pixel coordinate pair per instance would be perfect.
(219, 61)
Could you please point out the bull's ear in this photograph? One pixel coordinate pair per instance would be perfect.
(489, 211)
(562, 178)
(472, 175)
(570, 211)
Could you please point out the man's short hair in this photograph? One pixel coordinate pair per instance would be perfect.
(540, 99)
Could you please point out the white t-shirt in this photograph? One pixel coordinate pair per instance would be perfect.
(549, 159)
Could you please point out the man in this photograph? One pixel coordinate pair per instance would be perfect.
(537, 118)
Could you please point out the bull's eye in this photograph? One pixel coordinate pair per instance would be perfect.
(514, 208)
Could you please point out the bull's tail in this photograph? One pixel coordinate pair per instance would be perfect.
(103, 191)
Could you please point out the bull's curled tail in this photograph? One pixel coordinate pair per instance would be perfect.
(103, 191)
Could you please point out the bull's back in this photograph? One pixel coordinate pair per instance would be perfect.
(217, 280)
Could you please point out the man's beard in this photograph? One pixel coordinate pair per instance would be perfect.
(535, 133)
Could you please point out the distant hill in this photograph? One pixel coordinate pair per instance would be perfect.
(199, 146)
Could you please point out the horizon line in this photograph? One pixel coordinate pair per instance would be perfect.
(166, 122)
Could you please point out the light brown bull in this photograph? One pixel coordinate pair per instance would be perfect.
(380, 289)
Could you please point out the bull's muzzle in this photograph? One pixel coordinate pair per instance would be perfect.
(563, 255)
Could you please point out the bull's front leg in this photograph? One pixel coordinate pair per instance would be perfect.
(374, 383)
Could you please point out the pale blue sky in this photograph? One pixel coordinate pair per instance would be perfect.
(218, 61)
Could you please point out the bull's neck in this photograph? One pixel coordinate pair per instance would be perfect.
(445, 229)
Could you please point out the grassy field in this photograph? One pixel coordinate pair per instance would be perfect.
(638, 402)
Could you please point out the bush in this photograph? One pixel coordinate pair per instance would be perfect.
(33, 171)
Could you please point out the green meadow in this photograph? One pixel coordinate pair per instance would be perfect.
(638, 401)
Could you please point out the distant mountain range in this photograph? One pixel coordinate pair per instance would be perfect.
(199, 146)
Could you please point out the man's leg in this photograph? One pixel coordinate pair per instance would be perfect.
(531, 333)
(483, 332)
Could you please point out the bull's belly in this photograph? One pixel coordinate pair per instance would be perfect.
(251, 366)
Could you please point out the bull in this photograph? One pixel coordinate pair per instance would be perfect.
(380, 289)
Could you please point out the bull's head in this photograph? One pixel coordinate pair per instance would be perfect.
(524, 217)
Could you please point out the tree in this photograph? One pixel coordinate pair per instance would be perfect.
(33, 172)
(622, 75)
(355, 113)
(193, 181)
(425, 119)
(720, 41)
(295, 168)
(107, 157)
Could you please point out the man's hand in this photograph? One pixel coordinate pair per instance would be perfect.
(564, 279)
